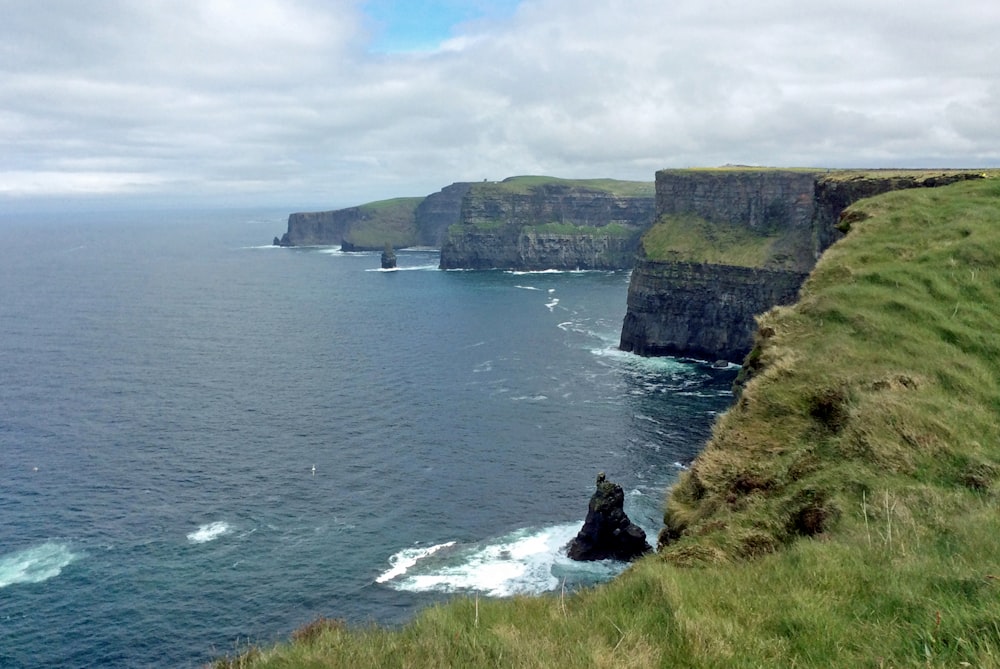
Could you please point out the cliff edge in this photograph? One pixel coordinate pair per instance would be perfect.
(729, 244)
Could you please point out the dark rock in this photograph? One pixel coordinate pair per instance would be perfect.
(547, 225)
(388, 257)
(438, 212)
(607, 533)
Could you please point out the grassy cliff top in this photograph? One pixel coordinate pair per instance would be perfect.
(394, 206)
(524, 185)
(834, 174)
(846, 511)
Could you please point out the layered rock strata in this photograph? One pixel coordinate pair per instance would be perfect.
(679, 304)
(549, 225)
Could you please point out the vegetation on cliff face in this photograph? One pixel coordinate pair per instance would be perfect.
(846, 511)
(385, 222)
(689, 238)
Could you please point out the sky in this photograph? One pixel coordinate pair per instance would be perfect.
(311, 104)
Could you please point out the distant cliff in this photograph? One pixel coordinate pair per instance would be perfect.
(400, 222)
(367, 227)
(545, 223)
(730, 244)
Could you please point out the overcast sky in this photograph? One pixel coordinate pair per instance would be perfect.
(328, 103)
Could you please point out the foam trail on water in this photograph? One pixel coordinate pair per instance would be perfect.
(527, 561)
(406, 558)
(35, 565)
(209, 532)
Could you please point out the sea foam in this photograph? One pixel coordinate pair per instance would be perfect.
(209, 532)
(35, 565)
(406, 558)
(527, 561)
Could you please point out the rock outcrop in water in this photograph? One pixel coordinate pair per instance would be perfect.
(730, 244)
(388, 257)
(607, 533)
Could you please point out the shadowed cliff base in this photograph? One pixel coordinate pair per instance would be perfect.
(731, 243)
(846, 511)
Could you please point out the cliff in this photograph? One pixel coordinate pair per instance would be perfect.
(438, 212)
(545, 223)
(844, 512)
(730, 244)
(518, 223)
(366, 227)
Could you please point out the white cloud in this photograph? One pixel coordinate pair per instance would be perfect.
(282, 100)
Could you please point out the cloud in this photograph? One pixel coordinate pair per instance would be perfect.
(285, 101)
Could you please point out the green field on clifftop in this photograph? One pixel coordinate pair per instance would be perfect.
(524, 185)
(846, 511)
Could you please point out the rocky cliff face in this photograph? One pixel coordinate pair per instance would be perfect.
(409, 221)
(438, 212)
(554, 225)
(319, 228)
(702, 310)
(525, 249)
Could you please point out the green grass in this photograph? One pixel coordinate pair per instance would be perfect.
(612, 230)
(391, 221)
(525, 185)
(688, 238)
(845, 512)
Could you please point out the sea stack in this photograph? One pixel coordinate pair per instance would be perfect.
(608, 533)
(388, 257)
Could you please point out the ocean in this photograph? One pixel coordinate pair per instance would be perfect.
(207, 441)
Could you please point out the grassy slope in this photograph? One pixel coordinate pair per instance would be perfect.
(390, 221)
(859, 469)
(685, 238)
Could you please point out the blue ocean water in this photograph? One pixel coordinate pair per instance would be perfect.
(205, 440)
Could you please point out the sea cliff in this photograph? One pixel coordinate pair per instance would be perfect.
(533, 223)
(729, 244)
(844, 512)
(527, 223)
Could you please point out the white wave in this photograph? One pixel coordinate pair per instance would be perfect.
(35, 565)
(414, 268)
(552, 290)
(261, 246)
(526, 287)
(527, 561)
(406, 558)
(331, 250)
(536, 271)
(529, 398)
(658, 363)
(483, 367)
(209, 532)
(552, 305)
(420, 268)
